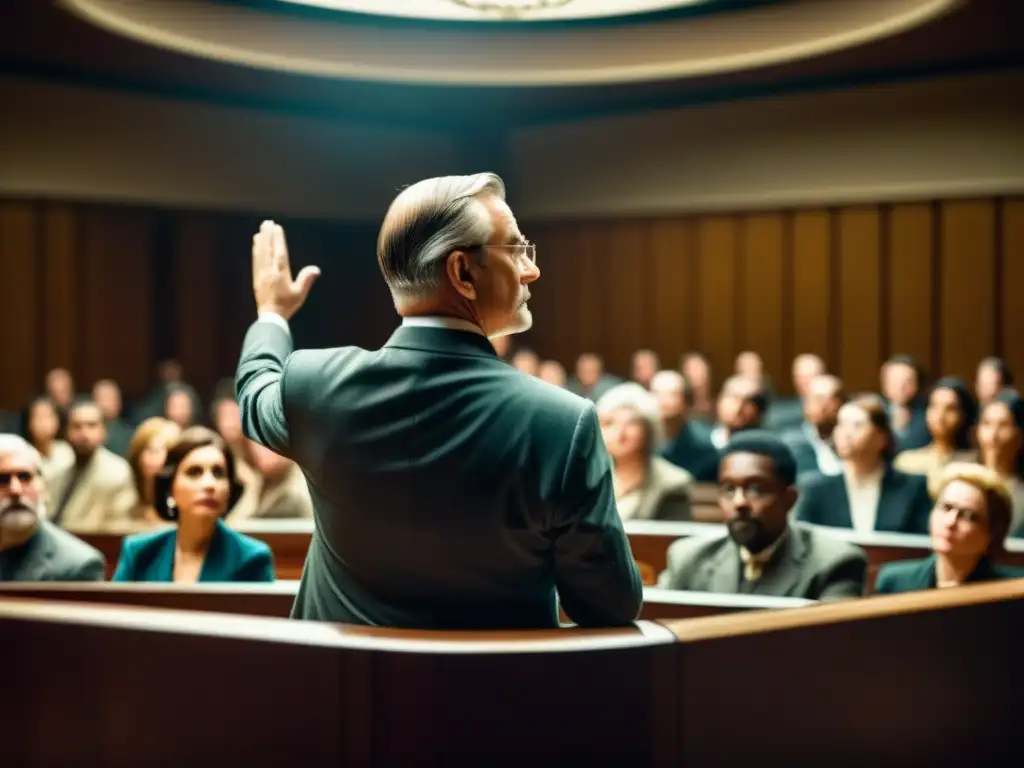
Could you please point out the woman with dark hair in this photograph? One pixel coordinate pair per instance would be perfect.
(967, 529)
(1000, 436)
(195, 489)
(43, 428)
(950, 416)
(870, 495)
(696, 369)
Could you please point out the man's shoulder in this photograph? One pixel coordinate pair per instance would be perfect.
(70, 551)
(112, 465)
(693, 549)
(825, 548)
(670, 477)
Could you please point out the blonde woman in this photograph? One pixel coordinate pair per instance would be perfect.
(147, 451)
(967, 528)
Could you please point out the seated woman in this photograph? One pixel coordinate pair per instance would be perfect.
(869, 495)
(42, 430)
(1000, 437)
(968, 526)
(950, 417)
(147, 451)
(646, 486)
(195, 489)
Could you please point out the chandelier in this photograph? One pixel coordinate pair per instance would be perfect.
(510, 9)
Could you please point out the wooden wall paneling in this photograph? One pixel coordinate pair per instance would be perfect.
(968, 280)
(196, 291)
(910, 282)
(60, 285)
(762, 274)
(811, 294)
(1012, 284)
(20, 331)
(860, 349)
(717, 238)
(673, 289)
(555, 297)
(587, 262)
(624, 270)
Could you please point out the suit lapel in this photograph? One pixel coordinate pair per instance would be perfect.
(784, 569)
(838, 512)
(721, 573)
(891, 506)
(37, 559)
(215, 563)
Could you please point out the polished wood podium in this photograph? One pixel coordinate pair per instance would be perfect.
(928, 678)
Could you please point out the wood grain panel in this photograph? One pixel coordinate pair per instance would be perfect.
(556, 298)
(624, 269)
(1011, 284)
(859, 275)
(717, 240)
(910, 278)
(968, 285)
(586, 262)
(762, 276)
(20, 335)
(60, 294)
(673, 289)
(812, 316)
(196, 291)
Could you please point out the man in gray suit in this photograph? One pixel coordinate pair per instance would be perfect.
(762, 552)
(32, 549)
(450, 490)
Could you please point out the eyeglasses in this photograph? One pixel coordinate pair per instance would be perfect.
(970, 516)
(526, 253)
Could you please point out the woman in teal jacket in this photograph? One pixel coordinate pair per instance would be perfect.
(195, 489)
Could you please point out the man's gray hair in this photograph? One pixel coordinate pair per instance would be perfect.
(17, 444)
(425, 223)
(633, 396)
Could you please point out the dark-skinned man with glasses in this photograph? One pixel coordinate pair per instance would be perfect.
(32, 549)
(762, 552)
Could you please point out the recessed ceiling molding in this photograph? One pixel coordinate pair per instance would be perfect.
(532, 10)
(662, 50)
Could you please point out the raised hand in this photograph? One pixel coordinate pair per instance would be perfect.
(272, 282)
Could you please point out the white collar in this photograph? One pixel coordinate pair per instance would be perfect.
(871, 480)
(437, 321)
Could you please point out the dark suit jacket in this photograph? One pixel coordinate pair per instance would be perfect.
(808, 564)
(449, 489)
(231, 556)
(913, 575)
(915, 434)
(784, 413)
(903, 505)
(692, 450)
(52, 555)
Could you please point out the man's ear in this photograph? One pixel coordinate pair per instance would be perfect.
(791, 496)
(460, 274)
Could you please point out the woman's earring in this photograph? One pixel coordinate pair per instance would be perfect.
(172, 507)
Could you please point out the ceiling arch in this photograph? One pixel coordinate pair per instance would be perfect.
(668, 48)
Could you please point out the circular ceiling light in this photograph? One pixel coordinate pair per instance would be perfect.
(510, 10)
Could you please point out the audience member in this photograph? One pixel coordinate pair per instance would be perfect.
(993, 376)
(811, 442)
(696, 369)
(32, 549)
(147, 451)
(902, 379)
(526, 360)
(741, 405)
(950, 417)
(107, 395)
(42, 429)
(643, 367)
(870, 495)
(674, 402)
(59, 386)
(762, 552)
(195, 489)
(552, 372)
(647, 486)
(96, 493)
(180, 405)
(278, 489)
(967, 526)
(1000, 435)
(590, 380)
(787, 413)
(502, 347)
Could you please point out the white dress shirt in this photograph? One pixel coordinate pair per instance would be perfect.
(426, 321)
(828, 462)
(864, 494)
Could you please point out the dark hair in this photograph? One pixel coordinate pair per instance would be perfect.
(1015, 405)
(968, 409)
(998, 364)
(874, 406)
(919, 373)
(26, 417)
(191, 439)
(764, 443)
(84, 402)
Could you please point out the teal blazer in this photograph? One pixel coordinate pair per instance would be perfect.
(230, 557)
(914, 575)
